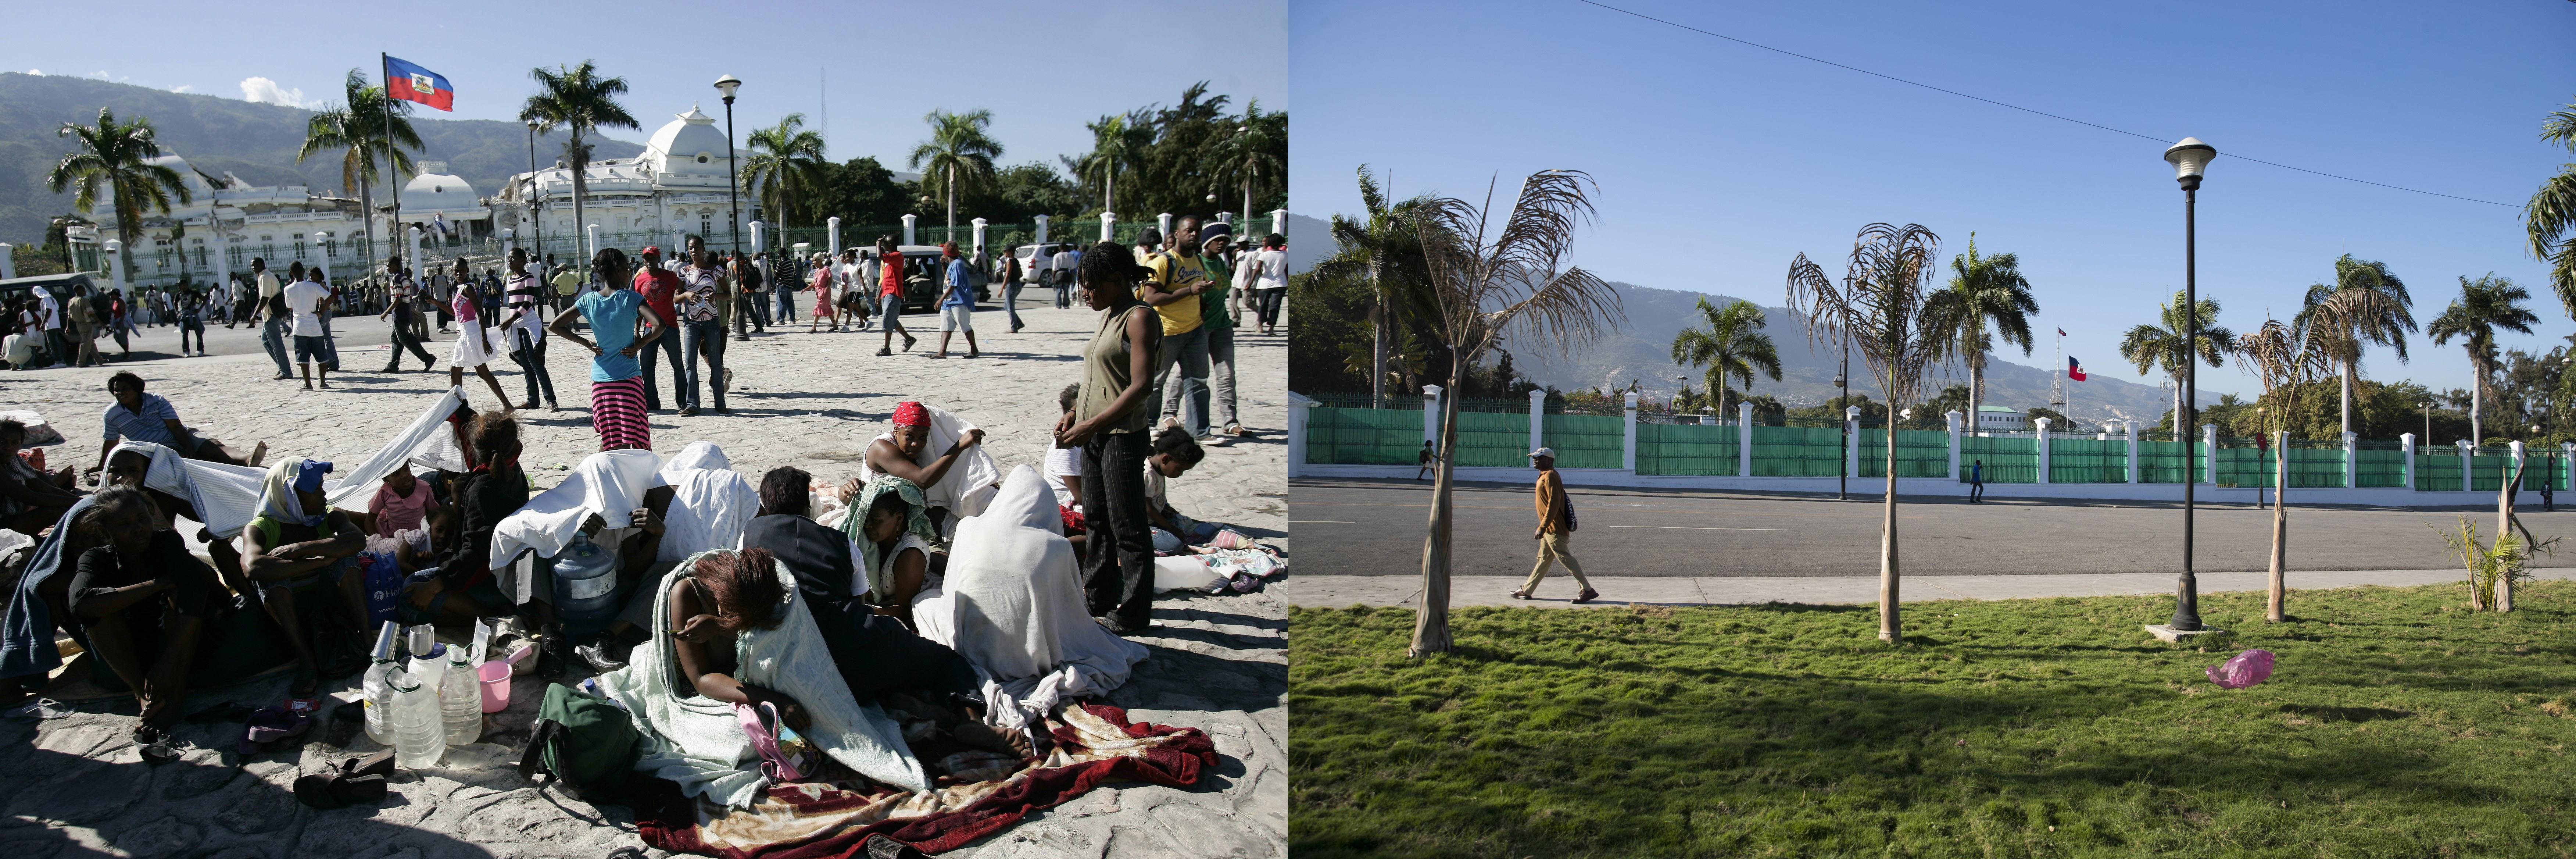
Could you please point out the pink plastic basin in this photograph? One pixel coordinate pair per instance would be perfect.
(496, 686)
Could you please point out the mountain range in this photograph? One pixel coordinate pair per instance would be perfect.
(254, 141)
(1640, 352)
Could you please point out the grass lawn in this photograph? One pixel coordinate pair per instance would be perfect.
(2396, 724)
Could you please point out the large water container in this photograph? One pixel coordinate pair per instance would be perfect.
(419, 739)
(585, 582)
(460, 700)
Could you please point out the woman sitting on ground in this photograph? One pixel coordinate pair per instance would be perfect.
(898, 551)
(30, 500)
(876, 654)
(142, 599)
(296, 559)
(132, 467)
(901, 452)
(464, 588)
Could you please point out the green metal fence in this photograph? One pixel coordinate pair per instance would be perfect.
(2166, 461)
(1919, 453)
(2085, 460)
(2489, 469)
(2008, 459)
(1797, 451)
(2545, 468)
(1688, 449)
(1364, 436)
(1587, 441)
(1493, 439)
(2437, 470)
(2378, 464)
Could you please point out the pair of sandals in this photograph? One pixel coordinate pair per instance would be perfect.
(1586, 596)
(354, 781)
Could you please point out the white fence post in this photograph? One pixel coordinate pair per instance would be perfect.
(1279, 222)
(2209, 436)
(2042, 425)
(832, 229)
(1163, 225)
(1431, 414)
(2406, 444)
(2133, 450)
(1954, 416)
(2467, 478)
(2516, 447)
(1628, 442)
(8, 261)
(1743, 438)
(2351, 461)
(1108, 226)
(1851, 441)
(1297, 405)
(908, 222)
(1538, 419)
(1042, 229)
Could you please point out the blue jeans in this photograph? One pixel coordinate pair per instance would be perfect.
(703, 340)
(668, 343)
(272, 336)
(1189, 352)
(1011, 303)
(530, 354)
(786, 306)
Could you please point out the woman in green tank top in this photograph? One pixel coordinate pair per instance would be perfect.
(1108, 423)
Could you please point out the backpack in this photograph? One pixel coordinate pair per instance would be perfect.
(587, 744)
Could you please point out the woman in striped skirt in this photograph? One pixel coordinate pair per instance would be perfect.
(624, 326)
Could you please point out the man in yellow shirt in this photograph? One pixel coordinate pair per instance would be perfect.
(1180, 275)
(1555, 530)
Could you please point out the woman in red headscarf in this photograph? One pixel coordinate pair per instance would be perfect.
(899, 452)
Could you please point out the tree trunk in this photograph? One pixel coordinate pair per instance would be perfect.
(1888, 628)
(952, 203)
(1976, 389)
(580, 225)
(366, 217)
(2178, 431)
(1377, 340)
(2504, 526)
(2274, 610)
(2346, 377)
(1431, 621)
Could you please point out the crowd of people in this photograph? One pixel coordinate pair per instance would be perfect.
(701, 555)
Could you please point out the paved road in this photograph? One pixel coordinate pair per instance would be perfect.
(1356, 527)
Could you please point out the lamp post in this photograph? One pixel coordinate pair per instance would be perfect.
(2189, 158)
(536, 230)
(1842, 459)
(733, 184)
(2428, 421)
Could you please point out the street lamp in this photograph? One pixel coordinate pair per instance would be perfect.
(2189, 158)
(733, 185)
(536, 232)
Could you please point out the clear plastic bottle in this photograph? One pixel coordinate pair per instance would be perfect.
(460, 700)
(379, 690)
(419, 740)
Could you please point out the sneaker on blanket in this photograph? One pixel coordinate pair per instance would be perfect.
(601, 656)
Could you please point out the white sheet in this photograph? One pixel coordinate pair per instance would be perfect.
(969, 484)
(429, 441)
(709, 508)
(227, 496)
(610, 483)
(1013, 606)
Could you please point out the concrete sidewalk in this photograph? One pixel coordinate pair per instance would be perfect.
(1339, 591)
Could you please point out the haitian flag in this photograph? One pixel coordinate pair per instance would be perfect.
(2074, 369)
(413, 83)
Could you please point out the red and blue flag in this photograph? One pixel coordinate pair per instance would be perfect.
(413, 83)
(2074, 369)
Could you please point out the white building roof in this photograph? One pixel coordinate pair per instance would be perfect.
(687, 152)
(437, 193)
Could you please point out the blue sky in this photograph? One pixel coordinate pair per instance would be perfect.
(1718, 163)
(1042, 68)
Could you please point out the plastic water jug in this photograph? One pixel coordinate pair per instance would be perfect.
(378, 687)
(585, 581)
(419, 740)
(460, 700)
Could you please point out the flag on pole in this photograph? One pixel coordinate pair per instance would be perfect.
(2074, 369)
(413, 83)
(2061, 332)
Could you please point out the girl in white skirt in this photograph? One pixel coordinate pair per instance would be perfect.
(474, 346)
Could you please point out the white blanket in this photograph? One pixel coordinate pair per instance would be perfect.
(1013, 606)
(709, 508)
(227, 496)
(611, 484)
(968, 486)
(697, 741)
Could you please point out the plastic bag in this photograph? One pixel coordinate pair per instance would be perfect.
(2242, 670)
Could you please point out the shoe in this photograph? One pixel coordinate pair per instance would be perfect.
(1587, 595)
(1121, 628)
(258, 452)
(527, 405)
(599, 658)
(908, 340)
(553, 408)
(884, 352)
(551, 654)
(281, 376)
(1519, 595)
(689, 412)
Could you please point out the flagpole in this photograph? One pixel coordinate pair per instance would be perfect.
(393, 229)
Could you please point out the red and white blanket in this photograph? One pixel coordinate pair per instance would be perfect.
(978, 793)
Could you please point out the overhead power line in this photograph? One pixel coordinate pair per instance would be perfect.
(2150, 137)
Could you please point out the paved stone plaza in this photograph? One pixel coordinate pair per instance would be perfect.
(78, 786)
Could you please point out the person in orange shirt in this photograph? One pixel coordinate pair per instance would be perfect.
(890, 296)
(1555, 529)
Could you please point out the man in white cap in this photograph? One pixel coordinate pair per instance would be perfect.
(1555, 529)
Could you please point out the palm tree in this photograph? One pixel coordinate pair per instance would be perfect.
(1117, 143)
(578, 99)
(1250, 153)
(1386, 251)
(2286, 358)
(1482, 283)
(1983, 291)
(2374, 311)
(2484, 305)
(1879, 308)
(786, 166)
(114, 159)
(2550, 217)
(958, 154)
(2152, 347)
(359, 128)
(1728, 342)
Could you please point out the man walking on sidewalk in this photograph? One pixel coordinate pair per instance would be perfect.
(1555, 530)
(1977, 482)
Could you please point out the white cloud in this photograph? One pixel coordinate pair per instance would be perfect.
(37, 72)
(265, 91)
(183, 88)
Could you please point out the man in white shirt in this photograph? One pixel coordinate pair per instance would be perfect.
(851, 276)
(1270, 280)
(304, 300)
(272, 327)
(49, 317)
(1064, 263)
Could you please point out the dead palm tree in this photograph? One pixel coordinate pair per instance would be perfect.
(2153, 347)
(785, 168)
(1386, 250)
(114, 159)
(1878, 307)
(958, 155)
(2550, 217)
(1987, 296)
(1484, 283)
(2286, 358)
(359, 128)
(1729, 344)
(2374, 311)
(578, 99)
(2484, 305)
